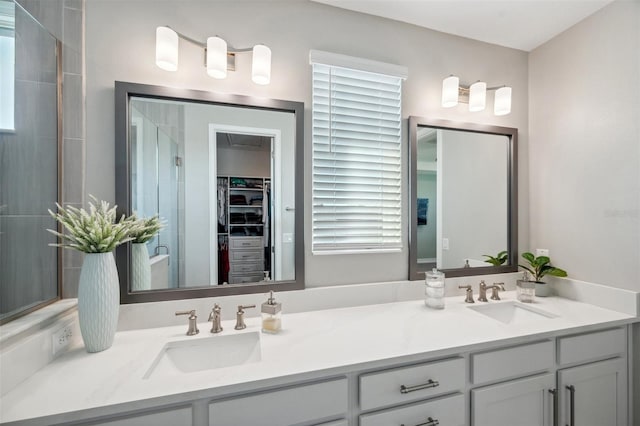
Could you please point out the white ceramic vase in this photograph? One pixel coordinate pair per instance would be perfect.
(140, 267)
(98, 301)
(543, 289)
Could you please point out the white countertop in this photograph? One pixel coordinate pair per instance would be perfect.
(327, 341)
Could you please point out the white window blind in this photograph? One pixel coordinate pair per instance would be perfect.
(356, 160)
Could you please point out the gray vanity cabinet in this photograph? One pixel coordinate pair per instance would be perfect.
(594, 394)
(522, 402)
(586, 384)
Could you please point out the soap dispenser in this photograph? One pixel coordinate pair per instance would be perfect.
(271, 315)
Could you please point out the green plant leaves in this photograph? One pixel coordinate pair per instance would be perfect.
(540, 266)
(498, 260)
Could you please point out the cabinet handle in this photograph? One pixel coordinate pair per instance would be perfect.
(554, 414)
(429, 384)
(572, 405)
(430, 422)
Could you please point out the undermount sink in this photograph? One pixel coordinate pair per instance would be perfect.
(513, 312)
(199, 354)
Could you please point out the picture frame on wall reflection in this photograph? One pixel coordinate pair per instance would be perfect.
(423, 209)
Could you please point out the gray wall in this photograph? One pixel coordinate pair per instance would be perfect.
(585, 147)
(120, 40)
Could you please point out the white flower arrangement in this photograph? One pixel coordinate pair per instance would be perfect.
(96, 231)
(146, 228)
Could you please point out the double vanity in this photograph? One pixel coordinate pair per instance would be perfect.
(388, 363)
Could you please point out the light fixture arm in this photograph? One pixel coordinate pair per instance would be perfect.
(230, 49)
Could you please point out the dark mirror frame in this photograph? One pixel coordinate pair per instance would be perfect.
(416, 271)
(123, 93)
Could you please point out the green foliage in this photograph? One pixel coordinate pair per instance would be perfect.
(539, 266)
(498, 260)
(146, 228)
(95, 231)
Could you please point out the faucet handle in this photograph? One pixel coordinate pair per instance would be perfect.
(469, 298)
(241, 308)
(191, 313)
(494, 290)
(240, 325)
(193, 326)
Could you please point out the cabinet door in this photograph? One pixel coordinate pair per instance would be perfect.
(522, 402)
(599, 394)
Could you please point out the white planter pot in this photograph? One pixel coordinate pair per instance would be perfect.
(140, 267)
(543, 289)
(98, 301)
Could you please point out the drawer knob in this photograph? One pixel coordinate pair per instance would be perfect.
(429, 384)
(430, 422)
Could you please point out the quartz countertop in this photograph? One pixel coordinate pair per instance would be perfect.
(324, 342)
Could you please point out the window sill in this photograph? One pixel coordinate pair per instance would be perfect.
(36, 320)
(356, 251)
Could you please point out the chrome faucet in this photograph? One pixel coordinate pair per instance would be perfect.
(469, 298)
(193, 326)
(157, 252)
(240, 325)
(214, 317)
(482, 297)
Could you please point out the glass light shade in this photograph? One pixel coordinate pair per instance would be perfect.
(502, 104)
(216, 57)
(261, 66)
(450, 91)
(477, 96)
(166, 49)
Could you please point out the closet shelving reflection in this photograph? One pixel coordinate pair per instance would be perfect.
(244, 242)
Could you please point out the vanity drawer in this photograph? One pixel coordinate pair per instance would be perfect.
(245, 255)
(176, 416)
(288, 406)
(385, 388)
(449, 411)
(587, 347)
(251, 277)
(245, 242)
(247, 267)
(512, 362)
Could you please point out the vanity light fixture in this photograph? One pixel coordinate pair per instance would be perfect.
(219, 57)
(475, 95)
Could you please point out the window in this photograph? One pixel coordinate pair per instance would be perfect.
(356, 154)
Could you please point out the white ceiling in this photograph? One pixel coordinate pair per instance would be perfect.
(519, 24)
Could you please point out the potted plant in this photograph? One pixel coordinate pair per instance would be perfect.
(96, 233)
(146, 229)
(538, 267)
(498, 260)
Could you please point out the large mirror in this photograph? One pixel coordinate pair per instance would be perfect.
(224, 174)
(463, 198)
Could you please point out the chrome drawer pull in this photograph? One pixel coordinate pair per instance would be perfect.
(430, 422)
(429, 384)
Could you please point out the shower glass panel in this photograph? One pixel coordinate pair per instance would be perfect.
(29, 152)
(155, 184)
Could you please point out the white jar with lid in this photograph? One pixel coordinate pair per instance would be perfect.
(434, 289)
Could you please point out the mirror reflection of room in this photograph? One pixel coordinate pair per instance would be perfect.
(461, 179)
(223, 190)
(244, 213)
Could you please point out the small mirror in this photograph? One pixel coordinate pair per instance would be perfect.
(463, 198)
(225, 179)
